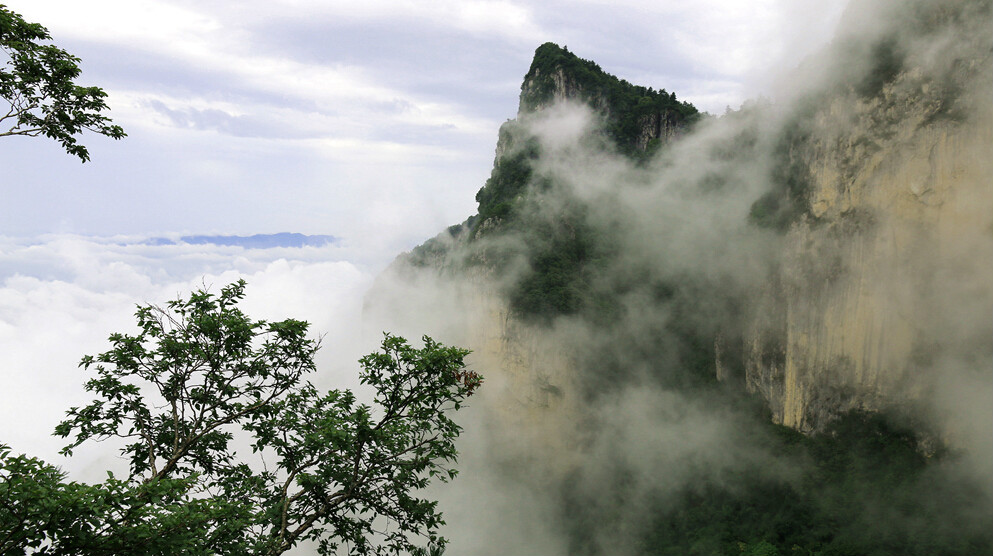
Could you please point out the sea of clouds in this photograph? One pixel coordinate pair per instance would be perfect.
(62, 295)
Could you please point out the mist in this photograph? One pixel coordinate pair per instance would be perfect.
(819, 262)
(784, 311)
(62, 295)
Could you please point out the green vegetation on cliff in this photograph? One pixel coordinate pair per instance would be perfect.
(862, 486)
(663, 293)
(632, 111)
(637, 121)
(511, 174)
(566, 251)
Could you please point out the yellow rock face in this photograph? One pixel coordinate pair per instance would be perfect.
(899, 248)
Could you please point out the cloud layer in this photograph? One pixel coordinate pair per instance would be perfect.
(62, 295)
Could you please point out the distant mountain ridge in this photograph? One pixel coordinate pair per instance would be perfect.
(255, 241)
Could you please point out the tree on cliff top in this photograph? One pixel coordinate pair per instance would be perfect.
(37, 80)
(201, 377)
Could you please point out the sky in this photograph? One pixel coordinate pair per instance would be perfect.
(372, 121)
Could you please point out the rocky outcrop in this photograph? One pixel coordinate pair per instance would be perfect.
(899, 226)
(634, 116)
(545, 87)
(879, 223)
(663, 126)
(542, 89)
(832, 255)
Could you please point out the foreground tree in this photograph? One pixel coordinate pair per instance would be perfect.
(201, 379)
(37, 80)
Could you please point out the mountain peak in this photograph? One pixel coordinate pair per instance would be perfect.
(557, 74)
(634, 115)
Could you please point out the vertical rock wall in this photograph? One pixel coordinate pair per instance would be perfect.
(901, 218)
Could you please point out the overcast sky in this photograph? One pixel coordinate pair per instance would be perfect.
(371, 120)
(374, 121)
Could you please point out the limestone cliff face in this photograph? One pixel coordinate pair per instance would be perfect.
(828, 253)
(532, 397)
(545, 87)
(871, 284)
(658, 125)
(876, 270)
(888, 269)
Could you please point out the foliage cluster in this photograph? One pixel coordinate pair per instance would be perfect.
(565, 256)
(37, 80)
(787, 201)
(511, 176)
(200, 385)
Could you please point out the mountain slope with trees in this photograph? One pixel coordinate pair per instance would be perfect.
(786, 268)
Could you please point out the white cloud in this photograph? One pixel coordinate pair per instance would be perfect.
(724, 37)
(727, 46)
(138, 22)
(214, 43)
(258, 114)
(509, 20)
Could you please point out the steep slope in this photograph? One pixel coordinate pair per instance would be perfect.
(886, 276)
(517, 265)
(638, 119)
(556, 97)
(651, 293)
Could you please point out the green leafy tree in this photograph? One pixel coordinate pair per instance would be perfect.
(41, 514)
(200, 379)
(37, 80)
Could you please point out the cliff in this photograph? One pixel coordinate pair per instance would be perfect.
(653, 293)
(633, 119)
(636, 118)
(886, 276)
(876, 185)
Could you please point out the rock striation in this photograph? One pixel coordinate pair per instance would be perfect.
(895, 235)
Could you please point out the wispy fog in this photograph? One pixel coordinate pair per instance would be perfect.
(827, 250)
(824, 250)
